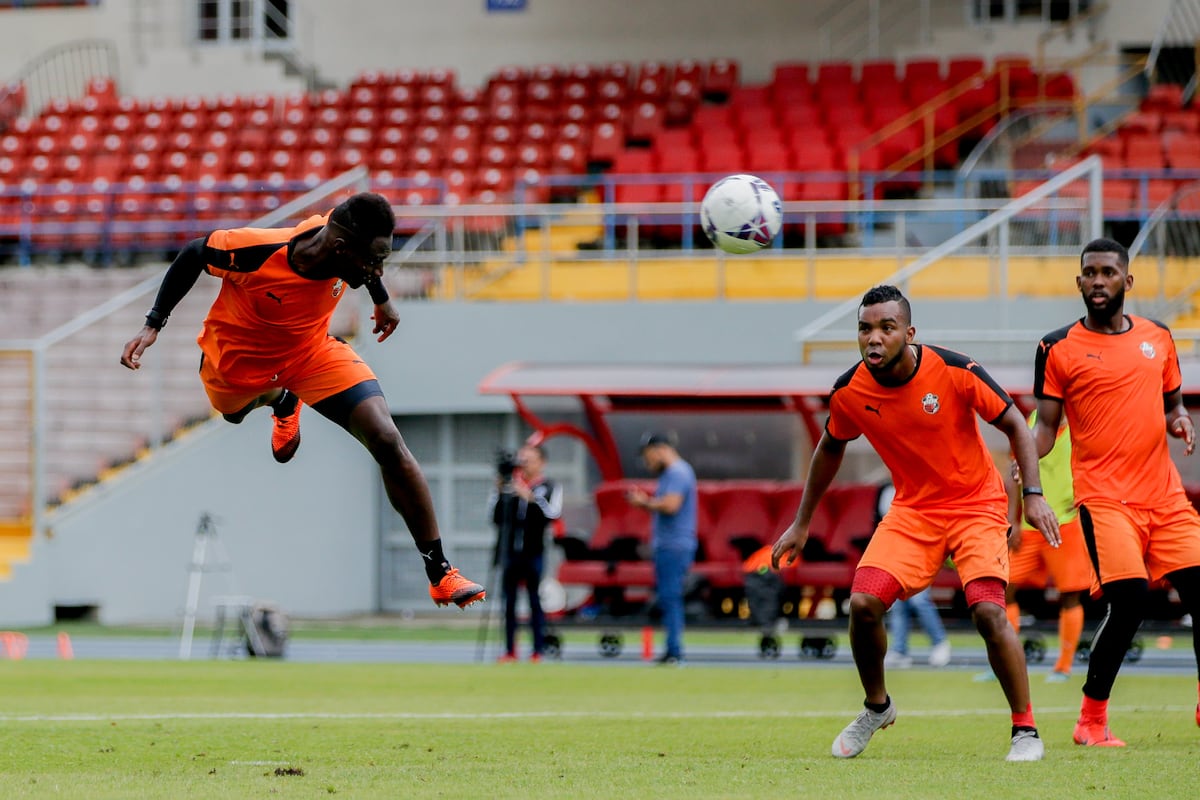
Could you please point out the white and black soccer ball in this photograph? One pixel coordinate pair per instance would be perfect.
(741, 214)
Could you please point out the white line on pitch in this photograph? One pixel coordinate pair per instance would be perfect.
(560, 714)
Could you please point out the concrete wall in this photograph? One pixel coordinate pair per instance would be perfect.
(342, 38)
(304, 535)
(441, 352)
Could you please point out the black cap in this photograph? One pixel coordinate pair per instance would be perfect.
(652, 439)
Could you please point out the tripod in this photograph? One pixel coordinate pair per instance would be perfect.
(506, 515)
(206, 537)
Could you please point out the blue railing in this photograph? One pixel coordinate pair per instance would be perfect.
(96, 223)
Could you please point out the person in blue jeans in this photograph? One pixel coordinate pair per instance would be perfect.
(921, 606)
(673, 532)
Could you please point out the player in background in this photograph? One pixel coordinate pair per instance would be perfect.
(1031, 558)
(1116, 377)
(265, 341)
(917, 406)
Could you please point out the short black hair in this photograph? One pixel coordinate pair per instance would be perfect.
(653, 439)
(1106, 246)
(887, 294)
(366, 215)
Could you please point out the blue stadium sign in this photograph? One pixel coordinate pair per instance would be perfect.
(506, 5)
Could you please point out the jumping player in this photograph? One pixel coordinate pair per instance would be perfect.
(266, 341)
(1117, 378)
(917, 404)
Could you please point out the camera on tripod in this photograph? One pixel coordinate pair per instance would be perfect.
(506, 465)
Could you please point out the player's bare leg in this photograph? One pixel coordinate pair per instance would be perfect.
(868, 641)
(371, 423)
(1004, 651)
(1007, 659)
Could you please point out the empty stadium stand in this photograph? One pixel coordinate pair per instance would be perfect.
(106, 171)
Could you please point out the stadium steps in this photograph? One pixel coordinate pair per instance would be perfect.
(15, 540)
(504, 280)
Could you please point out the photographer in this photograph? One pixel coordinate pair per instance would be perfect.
(522, 505)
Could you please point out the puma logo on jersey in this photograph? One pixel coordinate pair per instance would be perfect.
(873, 410)
(275, 297)
(1094, 355)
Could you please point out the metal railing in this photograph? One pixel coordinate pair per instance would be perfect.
(1091, 170)
(63, 71)
(858, 29)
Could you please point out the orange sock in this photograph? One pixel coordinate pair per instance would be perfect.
(1013, 612)
(1024, 719)
(1094, 709)
(1070, 628)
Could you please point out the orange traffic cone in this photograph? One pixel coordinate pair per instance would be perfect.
(65, 651)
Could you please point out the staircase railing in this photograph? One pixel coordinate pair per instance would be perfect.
(62, 71)
(1090, 168)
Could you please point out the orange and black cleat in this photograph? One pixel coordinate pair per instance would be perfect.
(454, 588)
(285, 436)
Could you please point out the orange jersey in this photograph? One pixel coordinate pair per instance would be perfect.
(926, 430)
(266, 316)
(1112, 388)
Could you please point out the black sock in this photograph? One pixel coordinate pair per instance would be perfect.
(1018, 728)
(436, 565)
(285, 404)
(879, 708)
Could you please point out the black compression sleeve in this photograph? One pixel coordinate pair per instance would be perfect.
(378, 292)
(180, 278)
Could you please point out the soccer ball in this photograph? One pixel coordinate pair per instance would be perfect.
(741, 214)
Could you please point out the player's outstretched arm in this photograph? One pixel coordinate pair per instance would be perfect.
(180, 278)
(826, 460)
(1179, 424)
(1021, 441)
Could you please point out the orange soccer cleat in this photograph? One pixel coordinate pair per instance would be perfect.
(454, 588)
(285, 436)
(1095, 733)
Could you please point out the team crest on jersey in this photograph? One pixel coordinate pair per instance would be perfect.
(930, 403)
(338, 286)
(1147, 349)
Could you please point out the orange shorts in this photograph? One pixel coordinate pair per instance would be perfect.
(1068, 564)
(329, 369)
(1146, 543)
(912, 545)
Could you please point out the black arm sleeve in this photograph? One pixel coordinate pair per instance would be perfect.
(378, 292)
(180, 278)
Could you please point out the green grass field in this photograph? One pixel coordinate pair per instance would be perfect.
(231, 729)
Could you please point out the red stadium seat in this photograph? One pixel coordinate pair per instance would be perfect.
(607, 141)
(645, 123)
(835, 72)
(721, 77)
